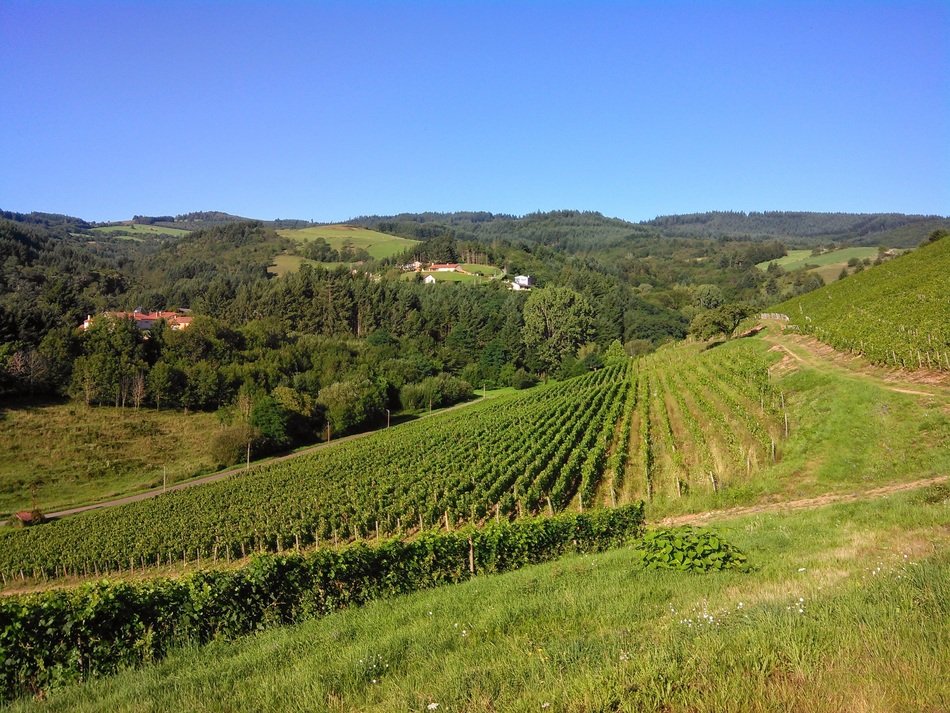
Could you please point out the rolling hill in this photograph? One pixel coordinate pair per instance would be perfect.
(805, 229)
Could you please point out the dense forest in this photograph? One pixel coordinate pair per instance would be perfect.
(805, 229)
(283, 358)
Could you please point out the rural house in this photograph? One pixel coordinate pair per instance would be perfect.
(146, 320)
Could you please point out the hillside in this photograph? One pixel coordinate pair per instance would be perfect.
(90, 454)
(895, 313)
(566, 230)
(805, 229)
(844, 610)
(334, 245)
(755, 421)
(378, 245)
(684, 429)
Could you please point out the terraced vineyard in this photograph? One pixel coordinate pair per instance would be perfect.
(897, 313)
(677, 421)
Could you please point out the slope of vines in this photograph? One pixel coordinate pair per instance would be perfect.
(520, 455)
(680, 420)
(706, 419)
(897, 313)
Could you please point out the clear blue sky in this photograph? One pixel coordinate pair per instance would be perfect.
(326, 110)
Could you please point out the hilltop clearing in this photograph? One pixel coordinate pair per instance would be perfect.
(377, 245)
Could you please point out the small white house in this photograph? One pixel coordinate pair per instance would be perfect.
(429, 280)
(524, 281)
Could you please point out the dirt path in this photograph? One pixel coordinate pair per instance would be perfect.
(145, 495)
(801, 349)
(800, 504)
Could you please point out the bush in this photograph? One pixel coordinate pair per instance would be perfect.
(523, 380)
(229, 446)
(441, 390)
(688, 549)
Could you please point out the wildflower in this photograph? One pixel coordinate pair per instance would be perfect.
(432, 706)
(801, 569)
(545, 705)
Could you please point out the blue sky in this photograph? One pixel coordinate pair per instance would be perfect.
(325, 111)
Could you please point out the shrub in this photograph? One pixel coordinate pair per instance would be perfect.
(229, 446)
(688, 549)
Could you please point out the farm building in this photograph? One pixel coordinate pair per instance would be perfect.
(146, 320)
(443, 267)
(429, 280)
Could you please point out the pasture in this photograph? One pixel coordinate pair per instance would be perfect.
(378, 245)
(831, 261)
(136, 230)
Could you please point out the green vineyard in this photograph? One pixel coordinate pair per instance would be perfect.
(680, 420)
(897, 313)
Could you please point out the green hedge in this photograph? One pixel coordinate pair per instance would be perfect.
(62, 636)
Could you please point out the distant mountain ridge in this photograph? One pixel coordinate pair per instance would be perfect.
(853, 228)
(576, 230)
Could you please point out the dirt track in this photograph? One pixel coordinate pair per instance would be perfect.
(803, 349)
(802, 503)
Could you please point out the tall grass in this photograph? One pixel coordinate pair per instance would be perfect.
(75, 455)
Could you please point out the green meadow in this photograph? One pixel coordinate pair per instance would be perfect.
(834, 260)
(378, 245)
(138, 230)
(91, 454)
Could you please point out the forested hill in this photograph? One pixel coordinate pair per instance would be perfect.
(803, 228)
(568, 230)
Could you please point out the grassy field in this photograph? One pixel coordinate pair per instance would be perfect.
(135, 229)
(846, 609)
(797, 259)
(452, 277)
(471, 279)
(484, 270)
(378, 245)
(77, 455)
(284, 264)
